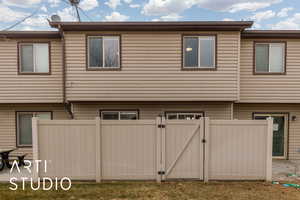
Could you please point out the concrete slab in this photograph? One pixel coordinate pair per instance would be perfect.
(283, 168)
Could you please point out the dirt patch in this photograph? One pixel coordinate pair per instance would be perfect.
(169, 190)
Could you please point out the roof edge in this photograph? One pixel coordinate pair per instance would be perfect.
(271, 34)
(30, 34)
(153, 26)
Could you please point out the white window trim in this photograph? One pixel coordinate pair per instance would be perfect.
(199, 52)
(269, 66)
(103, 52)
(34, 57)
(17, 124)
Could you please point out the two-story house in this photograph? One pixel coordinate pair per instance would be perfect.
(139, 70)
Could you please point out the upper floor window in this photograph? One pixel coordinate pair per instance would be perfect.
(103, 52)
(183, 115)
(119, 115)
(34, 58)
(199, 52)
(270, 57)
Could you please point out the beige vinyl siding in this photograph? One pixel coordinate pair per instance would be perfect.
(244, 111)
(8, 122)
(151, 70)
(270, 88)
(15, 88)
(150, 110)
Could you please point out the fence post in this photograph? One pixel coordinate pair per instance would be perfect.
(98, 158)
(206, 148)
(269, 149)
(158, 149)
(35, 148)
(163, 146)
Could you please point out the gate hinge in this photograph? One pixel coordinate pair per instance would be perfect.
(161, 126)
(161, 172)
(203, 140)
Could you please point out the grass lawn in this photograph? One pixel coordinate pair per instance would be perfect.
(169, 190)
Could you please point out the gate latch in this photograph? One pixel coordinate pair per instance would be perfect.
(161, 172)
(161, 126)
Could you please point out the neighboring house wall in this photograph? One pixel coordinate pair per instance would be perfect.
(151, 70)
(150, 110)
(20, 88)
(8, 122)
(270, 88)
(245, 111)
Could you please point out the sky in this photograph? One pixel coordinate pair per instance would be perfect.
(267, 14)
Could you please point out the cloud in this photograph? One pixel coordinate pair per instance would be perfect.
(228, 19)
(166, 7)
(22, 4)
(67, 14)
(54, 3)
(37, 21)
(88, 4)
(250, 6)
(284, 12)
(116, 16)
(113, 3)
(9, 15)
(134, 5)
(128, 1)
(259, 16)
(44, 9)
(171, 17)
(291, 23)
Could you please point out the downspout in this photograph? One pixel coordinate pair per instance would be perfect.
(67, 105)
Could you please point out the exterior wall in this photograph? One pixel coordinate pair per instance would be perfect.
(17, 88)
(150, 110)
(151, 70)
(270, 88)
(8, 122)
(244, 111)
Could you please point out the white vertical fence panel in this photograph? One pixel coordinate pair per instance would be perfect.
(69, 147)
(237, 150)
(129, 149)
(139, 149)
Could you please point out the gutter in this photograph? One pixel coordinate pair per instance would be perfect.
(68, 106)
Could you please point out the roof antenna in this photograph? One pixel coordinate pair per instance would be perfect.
(74, 4)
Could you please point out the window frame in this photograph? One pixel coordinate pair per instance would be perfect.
(19, 45)
(183, 67)
(17, 125)
(119, 112)
(284, 57)
(88, 68)
(183, 112)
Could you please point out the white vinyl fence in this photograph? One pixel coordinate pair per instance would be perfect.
(154, 149)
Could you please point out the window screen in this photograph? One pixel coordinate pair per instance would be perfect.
(103, 52)
(34, 58)
(269, 57)
(199, 51)
(119, 115)
(184, 115)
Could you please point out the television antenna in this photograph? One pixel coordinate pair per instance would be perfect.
(75, 5)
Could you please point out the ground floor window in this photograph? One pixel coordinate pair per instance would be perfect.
(24, 126)
(119, 115)
(184, 115)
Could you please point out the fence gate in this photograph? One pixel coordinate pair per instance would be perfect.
(182, 150)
